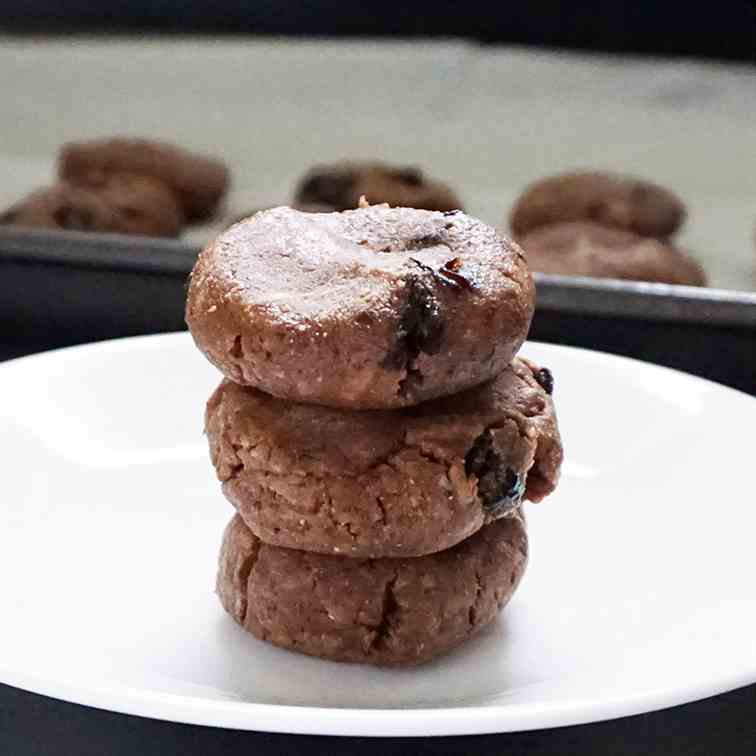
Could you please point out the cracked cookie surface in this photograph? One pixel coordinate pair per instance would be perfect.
(375, 611)
(368, 309)
(385, 483)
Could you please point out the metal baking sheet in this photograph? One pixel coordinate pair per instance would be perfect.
(487, 119)
(590, 296)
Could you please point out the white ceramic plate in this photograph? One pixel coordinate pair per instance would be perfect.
(640, 592)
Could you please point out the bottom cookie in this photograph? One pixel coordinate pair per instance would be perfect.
(376, 611)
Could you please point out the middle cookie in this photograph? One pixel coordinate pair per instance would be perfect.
(385, 483)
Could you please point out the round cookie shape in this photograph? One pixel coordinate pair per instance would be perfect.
(368, 309)
(396, 483)
(389, 612)
(199, 182)
(610, 199)
(143, 205)
(340, 186)
(588, 249)
(62, 206)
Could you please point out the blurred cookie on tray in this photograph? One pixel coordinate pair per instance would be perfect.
(609, 199)
(62, 206)
(199, 182)
(582, 248)
(126, 186)
(340, 185)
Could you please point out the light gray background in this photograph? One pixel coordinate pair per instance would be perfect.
(488, 120)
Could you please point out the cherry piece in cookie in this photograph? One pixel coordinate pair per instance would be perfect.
(545, 378)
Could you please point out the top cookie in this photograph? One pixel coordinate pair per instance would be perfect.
(607, 198)
(199, 182)
(339, 186)
(371, 308)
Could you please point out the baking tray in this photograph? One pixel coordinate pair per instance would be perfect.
(62, 288)
(486, 119)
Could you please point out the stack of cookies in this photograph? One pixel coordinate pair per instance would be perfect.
(374, 430)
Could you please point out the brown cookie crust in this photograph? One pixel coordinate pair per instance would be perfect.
(385, 483)
(588, 249)
(143, 205)
(609, 199)
(371, 308)
(62, 206)
(199, 182)
(339, 186)
(381, 611)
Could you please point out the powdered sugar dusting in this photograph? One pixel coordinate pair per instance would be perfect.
(307, 269)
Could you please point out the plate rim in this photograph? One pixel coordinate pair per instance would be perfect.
(374, 723)
(440, 721)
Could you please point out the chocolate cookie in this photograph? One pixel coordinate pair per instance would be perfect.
(609, 199)
(379, 611)
(339, 186)
(143, 205)
(385, 483)
(588, 249)
(369, 308)
(62, 206)
(199, 182)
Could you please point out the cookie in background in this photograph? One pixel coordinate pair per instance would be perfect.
(371, 308)
(582, 248)
(609, 199)
(136, 187)
(62, 206)
(199, 182)
(339, 186)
